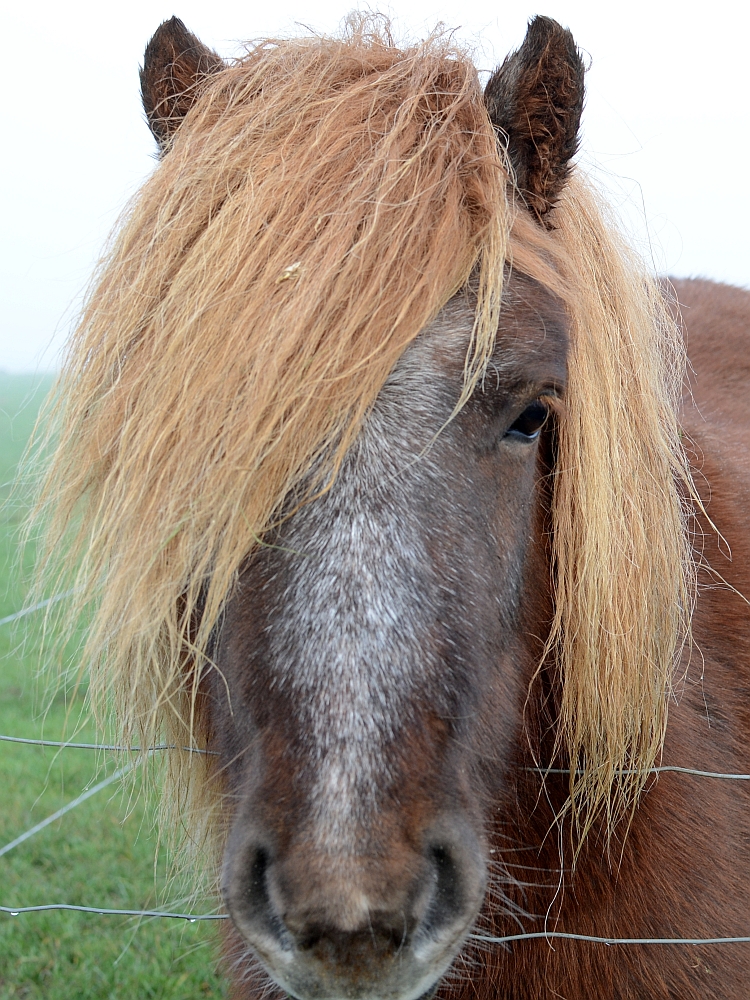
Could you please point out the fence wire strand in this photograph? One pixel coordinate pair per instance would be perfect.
(565, 935)
(103, 911)
(36, 607)
(660, 769)
(64, 745)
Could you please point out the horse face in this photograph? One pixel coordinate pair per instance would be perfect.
(376, 655)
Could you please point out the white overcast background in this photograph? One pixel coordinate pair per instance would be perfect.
(666, 127)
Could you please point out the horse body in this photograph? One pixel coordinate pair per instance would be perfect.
(397, 646)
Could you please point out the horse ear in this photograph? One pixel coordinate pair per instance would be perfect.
(536, 99)
(174, 65)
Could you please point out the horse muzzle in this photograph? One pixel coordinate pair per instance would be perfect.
(356, 926)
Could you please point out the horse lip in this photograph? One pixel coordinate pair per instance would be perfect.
(425, 996)
(286, 967)
(347, 990)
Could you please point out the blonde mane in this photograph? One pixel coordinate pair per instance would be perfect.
(323, 200)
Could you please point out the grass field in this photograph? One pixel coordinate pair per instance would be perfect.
(99, 854)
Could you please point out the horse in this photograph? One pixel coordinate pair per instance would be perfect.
(378, 473)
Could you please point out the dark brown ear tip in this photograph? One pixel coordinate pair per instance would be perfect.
(542, 29)
(169, 42)
(547, 36)
(174, 24)
(171, 32)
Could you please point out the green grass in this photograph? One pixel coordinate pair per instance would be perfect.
(101, 853)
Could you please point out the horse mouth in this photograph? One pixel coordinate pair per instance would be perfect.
(425, 996)
(310, 974)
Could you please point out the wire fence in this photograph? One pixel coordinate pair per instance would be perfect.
(506, 939)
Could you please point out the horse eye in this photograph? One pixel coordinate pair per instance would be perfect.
(529, 424)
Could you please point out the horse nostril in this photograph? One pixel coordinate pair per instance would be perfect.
(448, 900)
(255, 904)
(447, 897)
(448, 892)
(257, 891)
